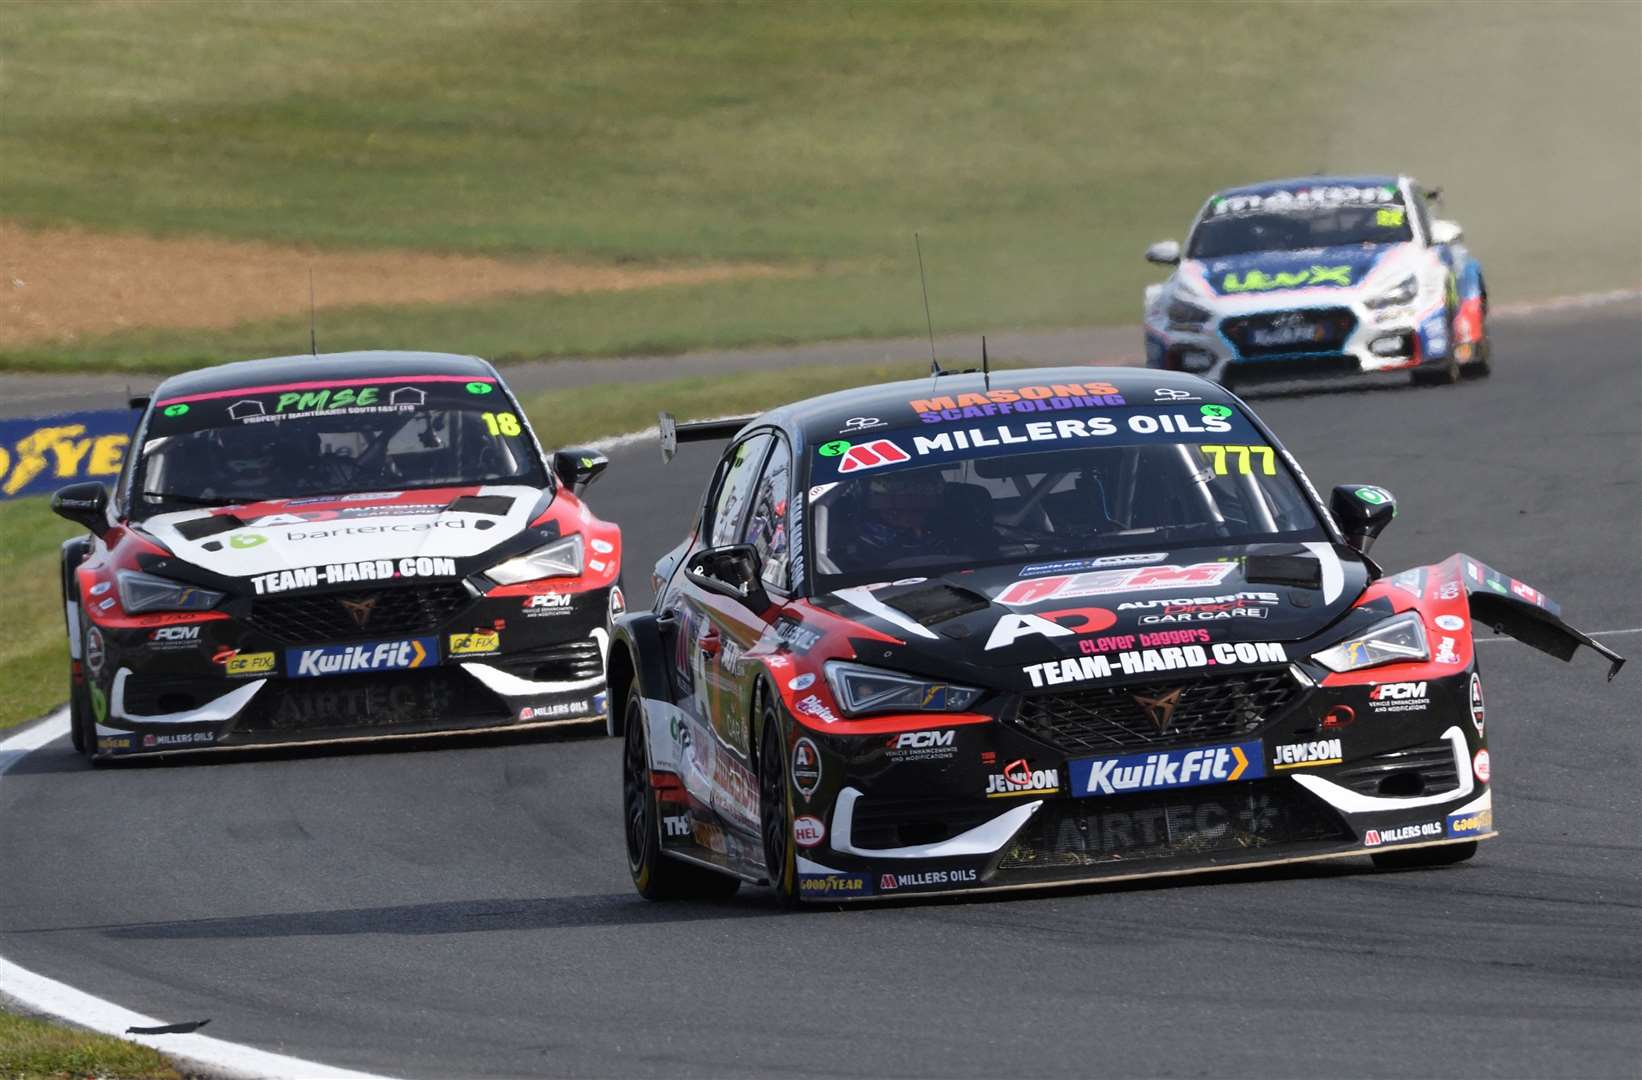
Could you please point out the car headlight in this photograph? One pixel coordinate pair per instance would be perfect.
(561, 558)
(141, 592)
(1185, 315)
(1400, 640)
(867, 690)
(1402, 293)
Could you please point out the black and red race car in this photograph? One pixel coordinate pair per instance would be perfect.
(993, 632)
(353, 545)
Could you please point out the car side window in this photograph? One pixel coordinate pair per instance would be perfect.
(1422, 213)
(766, 528)
(730, 501)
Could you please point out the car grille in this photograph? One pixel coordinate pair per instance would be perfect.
(1227, 819)
(1417, 770)
(571, 661)
(1112, 718)
(1285, 333)
(435, 699)
(394, 610)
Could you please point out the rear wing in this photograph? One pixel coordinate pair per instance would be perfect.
(673, 432)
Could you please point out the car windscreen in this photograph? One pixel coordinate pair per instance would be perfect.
(350, 435)
(1079, 482)
(1298, 220)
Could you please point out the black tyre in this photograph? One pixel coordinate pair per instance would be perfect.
(1446, 375)
(775, 813)
(80, 731)
(1481, 365)
(1418, 858)
(656, 876)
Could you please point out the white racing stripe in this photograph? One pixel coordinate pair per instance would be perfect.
(48, 996)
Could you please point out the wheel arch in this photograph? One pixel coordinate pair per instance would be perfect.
(637, 661)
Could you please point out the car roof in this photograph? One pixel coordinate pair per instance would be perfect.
(819, 419)
(1268, 187)
(305, 368)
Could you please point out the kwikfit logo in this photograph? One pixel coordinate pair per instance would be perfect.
(375, 656)
(1168, 769)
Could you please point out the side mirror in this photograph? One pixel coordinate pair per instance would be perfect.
(1446, 232)
(85, 503)
(1166, 252)
(1362, 511)
(577, 467)
(734, 571)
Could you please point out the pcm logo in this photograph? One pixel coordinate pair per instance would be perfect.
(924, 740)
(175, 633)
(1397, 691)
(542, 601)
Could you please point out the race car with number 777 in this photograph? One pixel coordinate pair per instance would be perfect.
(984, 632)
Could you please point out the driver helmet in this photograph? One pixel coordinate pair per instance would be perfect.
(897, 507)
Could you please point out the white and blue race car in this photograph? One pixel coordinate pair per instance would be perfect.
(1318, 277)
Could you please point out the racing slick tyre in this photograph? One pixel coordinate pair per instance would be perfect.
(1442, 855)
(656, 876)
(1481, 365)
(1445, 375)
(79, 720)
(775, 807)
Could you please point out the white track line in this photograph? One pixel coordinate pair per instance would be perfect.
(1563, 303)
(48, 996)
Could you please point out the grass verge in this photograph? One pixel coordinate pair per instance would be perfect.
(35, 1049)
(1038, 148)
(33, 649)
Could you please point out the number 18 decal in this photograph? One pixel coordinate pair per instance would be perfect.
(505, 423)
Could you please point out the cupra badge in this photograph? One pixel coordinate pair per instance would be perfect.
(360, 609)
(1161, 709)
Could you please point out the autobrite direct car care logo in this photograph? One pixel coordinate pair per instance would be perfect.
(1168, 769)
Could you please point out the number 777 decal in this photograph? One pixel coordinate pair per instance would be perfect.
(1217, 455)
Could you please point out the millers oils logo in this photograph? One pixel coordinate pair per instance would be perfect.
(1402, 833)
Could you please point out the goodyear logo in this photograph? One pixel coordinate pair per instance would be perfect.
(40, 455)
(832, 885)
(1470, 824)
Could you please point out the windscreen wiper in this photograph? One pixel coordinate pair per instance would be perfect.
(199, 500)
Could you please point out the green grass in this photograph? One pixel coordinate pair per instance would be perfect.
(33, 1049)
(579, 416)
(1037, 148)
(33, 653)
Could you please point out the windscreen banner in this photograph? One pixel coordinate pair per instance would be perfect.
(38, 455)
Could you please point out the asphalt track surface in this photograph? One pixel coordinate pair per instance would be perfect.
(466, 910)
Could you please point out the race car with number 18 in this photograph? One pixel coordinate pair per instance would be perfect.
(322, 548)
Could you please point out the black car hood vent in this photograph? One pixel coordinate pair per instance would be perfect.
(933, 602)
(200, 528)
(494, 505)
(1303, 571)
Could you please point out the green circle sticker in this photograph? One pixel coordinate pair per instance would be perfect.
(478, 388)
(1221, 411)
(835, 448)
(246, 540)
(176, 410)
(1373, 496)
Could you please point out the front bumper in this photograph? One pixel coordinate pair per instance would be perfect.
(227, 683)
(1390, 779)
(1303, 341)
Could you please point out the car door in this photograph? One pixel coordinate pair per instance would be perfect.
(713, 632)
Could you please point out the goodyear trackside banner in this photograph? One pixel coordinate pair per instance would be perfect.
(40, 455)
